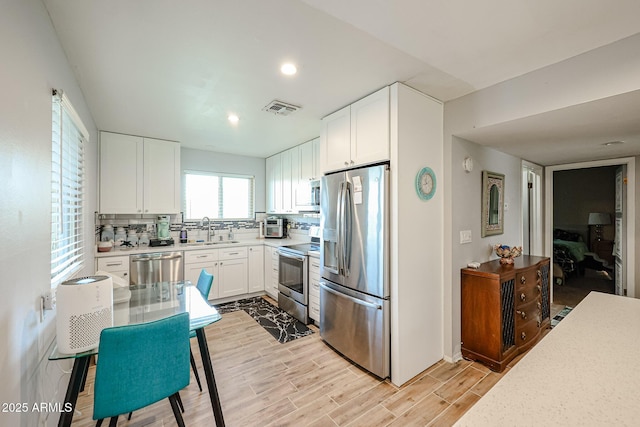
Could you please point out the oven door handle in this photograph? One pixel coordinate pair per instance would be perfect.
(292, 256)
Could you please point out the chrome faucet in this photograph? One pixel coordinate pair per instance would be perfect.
(209, 233)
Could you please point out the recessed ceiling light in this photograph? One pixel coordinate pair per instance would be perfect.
(233, 118)
(288, 69)
(606, 144)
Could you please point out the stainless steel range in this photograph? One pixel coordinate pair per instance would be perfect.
(293, 279)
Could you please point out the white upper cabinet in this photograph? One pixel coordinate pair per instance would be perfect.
(335, 140)
(357, 134)
(287, 160)
(161, 176)
(138, 175)
(273, 184)
(284, 173)
(309, 158)
(121, 176)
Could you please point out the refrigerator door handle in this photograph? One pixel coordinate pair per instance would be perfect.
(347, 228)
(340, 218)
(350, 298)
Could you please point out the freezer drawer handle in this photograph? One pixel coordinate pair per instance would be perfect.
(355, 300)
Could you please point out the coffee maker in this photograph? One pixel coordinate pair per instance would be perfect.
(162, 226)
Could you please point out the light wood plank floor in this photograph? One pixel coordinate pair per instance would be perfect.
(305, 383)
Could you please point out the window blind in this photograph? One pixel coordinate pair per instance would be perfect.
(67, 189)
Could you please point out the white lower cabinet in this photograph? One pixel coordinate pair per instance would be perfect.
(236, 270)
(271, 259)
(117, 265)
(256, 268)
(195, 261)
(232, 270)
(314, 288)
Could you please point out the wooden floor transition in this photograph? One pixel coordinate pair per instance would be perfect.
(305, 383)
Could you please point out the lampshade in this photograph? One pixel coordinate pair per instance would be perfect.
(599, 218)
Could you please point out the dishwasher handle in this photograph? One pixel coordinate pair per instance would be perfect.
(154, 257)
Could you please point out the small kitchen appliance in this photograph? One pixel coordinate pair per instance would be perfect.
(275, 228)
(162, 227)
(85, 308)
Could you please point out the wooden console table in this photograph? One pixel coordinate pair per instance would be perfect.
(504, 309)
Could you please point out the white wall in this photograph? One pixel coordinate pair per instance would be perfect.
(32, 64)
(416, 235)
(600, 73)
(466, 215)
(209, 161)
(603, 72)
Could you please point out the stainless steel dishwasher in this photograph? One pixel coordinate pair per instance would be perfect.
(156, 267)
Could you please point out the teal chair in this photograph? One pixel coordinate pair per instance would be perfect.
(205, 280)
(141, 364)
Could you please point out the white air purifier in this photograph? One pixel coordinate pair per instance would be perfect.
(85, 308)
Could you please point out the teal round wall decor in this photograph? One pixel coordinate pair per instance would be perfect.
(426, 183)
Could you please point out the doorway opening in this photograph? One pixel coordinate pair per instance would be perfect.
(587, 234)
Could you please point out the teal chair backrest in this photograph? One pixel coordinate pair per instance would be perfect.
(141, 364)
(204, 283)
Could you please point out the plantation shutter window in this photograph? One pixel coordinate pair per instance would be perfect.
(67, 189)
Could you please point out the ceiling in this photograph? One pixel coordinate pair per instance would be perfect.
(175, 70)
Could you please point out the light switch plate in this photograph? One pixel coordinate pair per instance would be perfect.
(465, 236)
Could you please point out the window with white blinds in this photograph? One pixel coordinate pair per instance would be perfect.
(218, 196)
(67, 190)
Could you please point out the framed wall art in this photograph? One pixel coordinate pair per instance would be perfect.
(492, 203)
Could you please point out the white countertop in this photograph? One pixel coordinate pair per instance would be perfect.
(196, 247)
(582, 373)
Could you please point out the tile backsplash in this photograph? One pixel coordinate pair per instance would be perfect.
(300, 224)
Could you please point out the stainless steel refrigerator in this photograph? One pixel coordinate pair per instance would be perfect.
(354, 260)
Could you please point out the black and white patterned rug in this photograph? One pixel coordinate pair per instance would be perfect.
(561, 315)
(278, 323)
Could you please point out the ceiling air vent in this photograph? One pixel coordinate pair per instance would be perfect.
(281, 108)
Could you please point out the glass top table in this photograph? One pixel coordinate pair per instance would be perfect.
(146, 303)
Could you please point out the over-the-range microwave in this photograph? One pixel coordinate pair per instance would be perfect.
(307, 196)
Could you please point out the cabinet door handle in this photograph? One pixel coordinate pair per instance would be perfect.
(523, 297)
(234, 253)
(114, 264)
(523, 280)
(202, 256)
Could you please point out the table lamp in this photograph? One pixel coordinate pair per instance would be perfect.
(598, 219)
